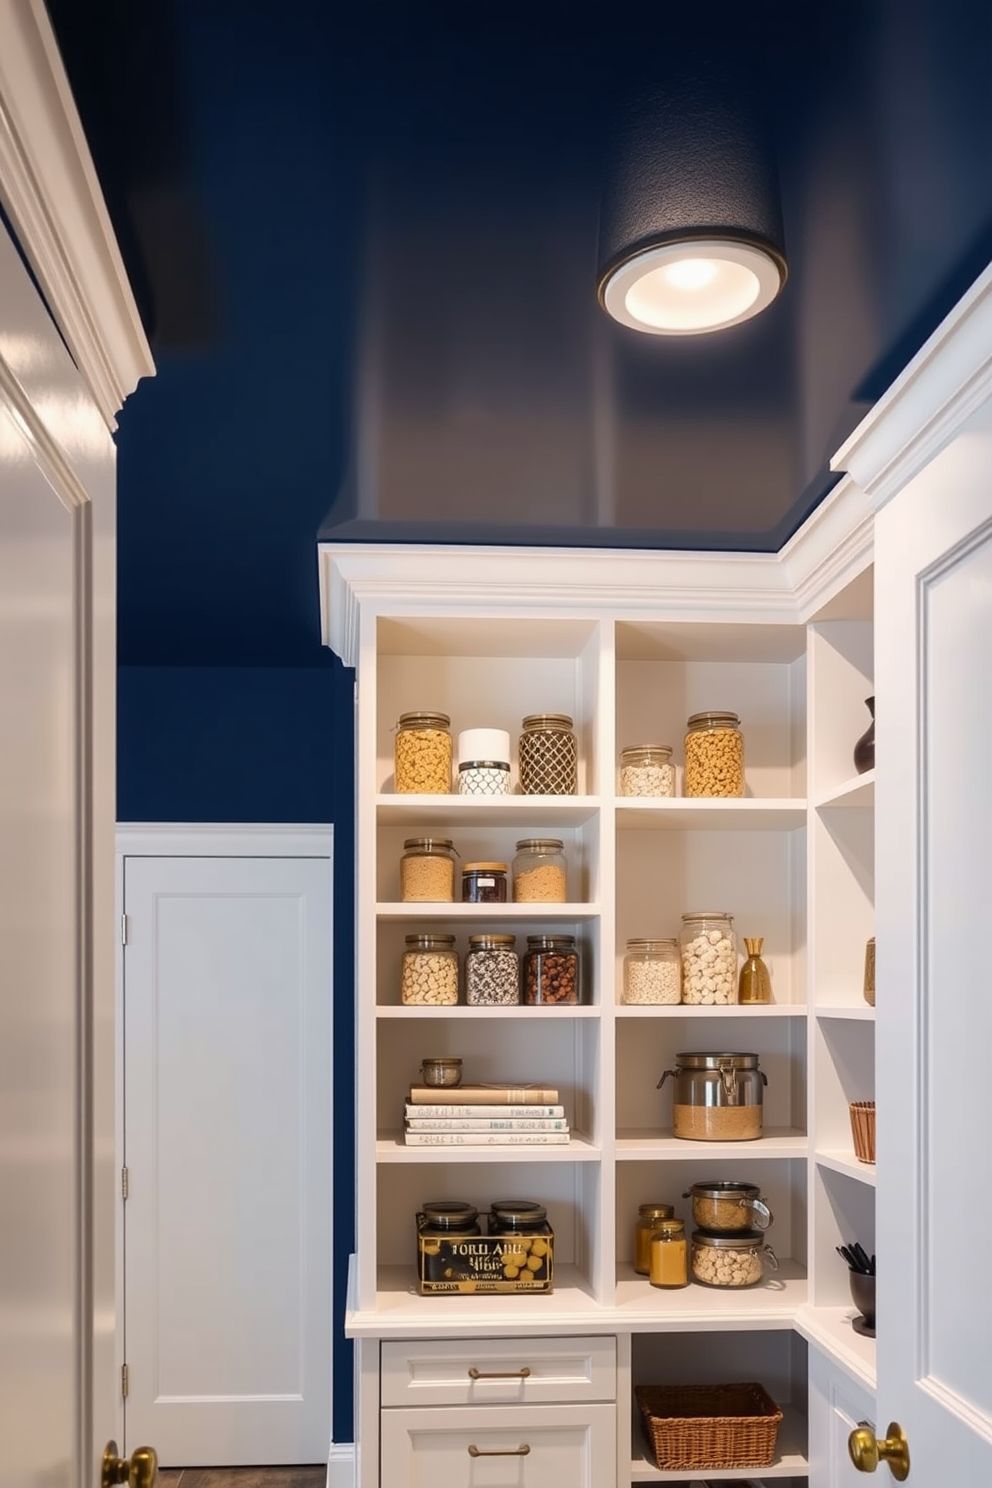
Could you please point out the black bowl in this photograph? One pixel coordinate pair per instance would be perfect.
(863, 1295)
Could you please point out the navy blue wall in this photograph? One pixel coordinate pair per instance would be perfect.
(260, 744)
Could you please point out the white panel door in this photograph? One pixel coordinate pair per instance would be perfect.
(933, 687)
(227, 1250)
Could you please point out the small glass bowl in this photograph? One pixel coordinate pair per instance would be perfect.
(440, 1072)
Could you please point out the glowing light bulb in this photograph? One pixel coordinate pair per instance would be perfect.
(691, 273)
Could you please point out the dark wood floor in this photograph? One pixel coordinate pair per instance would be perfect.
(242, 1477)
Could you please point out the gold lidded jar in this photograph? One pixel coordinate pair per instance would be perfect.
(714, 755)
(539, 872)
(709, 958)
(647, 770)
(429, 975)
(649, 1217)
(427, 870)
(422, 754)
(669, 1255)
(548, 755)
(652, 972)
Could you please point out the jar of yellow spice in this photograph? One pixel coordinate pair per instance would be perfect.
(669, 1265)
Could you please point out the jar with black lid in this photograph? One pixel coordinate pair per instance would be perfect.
(446, 1217)
(523, 1216)
(539, 872)
(551, 971)
(548, 752)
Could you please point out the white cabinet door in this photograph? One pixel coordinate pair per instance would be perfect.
(933, 687)
(498, 1371)
(227, 1038)
(497, 1446)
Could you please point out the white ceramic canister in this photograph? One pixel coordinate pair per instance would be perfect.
(484, 762)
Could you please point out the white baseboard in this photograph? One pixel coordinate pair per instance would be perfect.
(341, 1465)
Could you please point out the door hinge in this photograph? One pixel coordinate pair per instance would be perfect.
(123, 929)
(124, 1183)
(125, 1381)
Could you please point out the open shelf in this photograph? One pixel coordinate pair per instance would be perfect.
(390, 1148)
(497, 1014)
(857, 792)
(735, 1010)
(486, 811)
(772, 1304)
(846, 1162)
(399, 1311)
(790, 1460)
(830, 1329)
(776, 814)
(646, 1145)
(421, 909)
(858, 1012)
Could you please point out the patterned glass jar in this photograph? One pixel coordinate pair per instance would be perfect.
(492, 971)
(549, 755)
(483, 778)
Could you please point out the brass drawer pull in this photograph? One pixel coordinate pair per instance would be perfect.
(523, 1451)
(524, 1373)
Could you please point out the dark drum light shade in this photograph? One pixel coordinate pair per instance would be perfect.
(691, 235)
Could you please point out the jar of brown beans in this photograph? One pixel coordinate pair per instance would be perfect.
(551, 971)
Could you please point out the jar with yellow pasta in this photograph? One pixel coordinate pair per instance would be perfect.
(423, 754)
(714, 755)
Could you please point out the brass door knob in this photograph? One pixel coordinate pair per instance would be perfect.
(138, 1471)
(867, 1451)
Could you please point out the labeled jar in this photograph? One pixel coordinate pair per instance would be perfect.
(423, 754)
(726, 1207)
(709, 958)
(551, 971)
(492, 971)
(429, 976)
(652, 972)
(649, 1217)
(516, 1216)
(484, 762)
(427, 870)
(539, 872)
(647, 770)
(669, 1259)
(716, 1097)
(731, 1260)
(483, 883)
(548, 755)
(714, 755)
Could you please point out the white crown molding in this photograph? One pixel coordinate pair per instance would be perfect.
(833, 546)
(950, 376)
(51, 193)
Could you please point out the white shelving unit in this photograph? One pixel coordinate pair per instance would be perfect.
(793, 862)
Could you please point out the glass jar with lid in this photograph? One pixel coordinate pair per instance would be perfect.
(492, 971)
(427, 870)
(422, 750)
(731, 1260)
(448, 1217)
(548, 754)
(709, 958)
(649, 1216)
(539, 872)
(717, 1097)
(668, 1264)
(714, 755)
(523, 1216)
(551, 971)
(652, 972)
(429, 975)
(647, 770)
(484, 883)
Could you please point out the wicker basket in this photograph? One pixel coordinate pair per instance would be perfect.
(709, 1426)
(863, 1130)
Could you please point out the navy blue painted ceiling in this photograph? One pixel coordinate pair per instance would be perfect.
(364, 245)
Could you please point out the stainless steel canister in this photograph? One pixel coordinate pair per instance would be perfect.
(717, 1097)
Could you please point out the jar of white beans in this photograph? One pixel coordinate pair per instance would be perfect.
(731, 1260)
(647, 770)
(652, 972)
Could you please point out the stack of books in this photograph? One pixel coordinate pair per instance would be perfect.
(485, 1116)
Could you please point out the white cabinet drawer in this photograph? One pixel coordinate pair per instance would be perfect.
(496, 1445)
(503, 1371)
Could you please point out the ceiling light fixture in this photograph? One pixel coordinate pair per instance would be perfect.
(691, 227)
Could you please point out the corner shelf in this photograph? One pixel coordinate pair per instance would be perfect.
(790, 1460)
(655, 1146)
(846, 1162)
(829, 1328)
(773, 1304)
(714, 814)
(859, 791)
(859, 1012)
